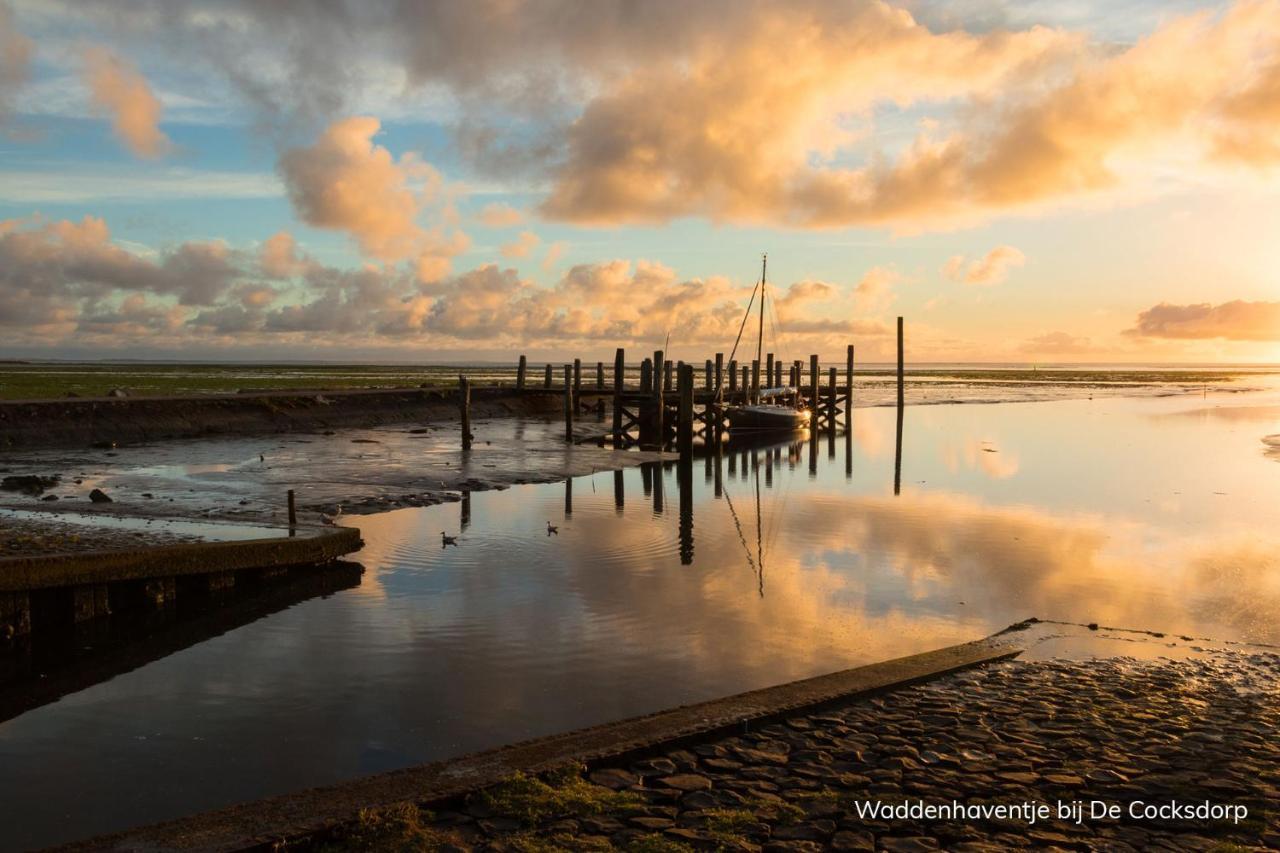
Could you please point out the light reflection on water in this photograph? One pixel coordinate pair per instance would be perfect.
(1149, 513)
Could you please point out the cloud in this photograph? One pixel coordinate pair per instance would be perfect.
(874, 291)
(118, 90)
(521, 246)
(993, 268)
(16, 51)
(498, 215)
(1236, 320)
(280, 257)
(345, 182)
(1056, 343)
(555, 251)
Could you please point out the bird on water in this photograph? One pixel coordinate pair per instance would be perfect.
(446, 541)
(332, 519)
(552, 529)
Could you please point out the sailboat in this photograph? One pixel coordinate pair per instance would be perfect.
(768, 413)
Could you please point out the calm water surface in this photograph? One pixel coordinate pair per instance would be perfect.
(663, 588)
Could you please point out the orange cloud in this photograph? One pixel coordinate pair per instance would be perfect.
(737, 132)
(498, 215)
(280, 257)
(521, 246)
(1236, 320)
(118, 90)
(1057, 343)
(348, 183)
(992, 268)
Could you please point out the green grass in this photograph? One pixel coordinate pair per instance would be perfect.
(394, 829)
(566, 794)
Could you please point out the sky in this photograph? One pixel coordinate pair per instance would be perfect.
(1029, 182)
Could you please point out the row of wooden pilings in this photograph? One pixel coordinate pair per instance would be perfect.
(668, 404)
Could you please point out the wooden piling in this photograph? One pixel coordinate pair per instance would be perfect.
(464, 402)
(755, 380)
(568, 404)
(619, 363)
(768, 372)
(831, 399)
(719, 371)
(848, 386)
(546, 380)
(293, 510)
(746, 384)
(661, 368)
(684, 422)
(577, 383)
(666, 376)
(900, 391)
(646, 376)
(707, 378)
(813, 382)
(733, 375)
(777, 377)
(520, 371)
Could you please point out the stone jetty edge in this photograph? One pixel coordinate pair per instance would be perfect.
(76, 422)
(259, 824)
(45, 571)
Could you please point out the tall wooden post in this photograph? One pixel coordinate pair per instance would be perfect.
(619, 362)
(520, 371)
(848, 386)
(733, 375)
(755, 380)
(666, 375)
(813, 382)
(464, 400)
(719, 371)
(661, 367)
(599, 374)
(546, 380)
(684, 423)
(293, 510)
(768, 373)
(707, 379)
(577, 383)
(900, 394)
(568, 403)
(646, 376)
(777, 377)
(746, 384)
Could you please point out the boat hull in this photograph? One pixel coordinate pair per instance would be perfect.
(762, 419)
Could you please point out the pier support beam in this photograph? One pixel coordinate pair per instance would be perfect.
(901, 396)
(733, 375)
(848, 386)
(719, 371)
(768, 372)
(646, 377)
(684, 423)
(577, 383)
(568, 404)
(619, 363)
(813, 383)
(599, 375)
(15, 615)
(831, 400)
(89, 601)
(546, 379)
(464, 403)
(755, 380)
(520, 371)
(661, 369)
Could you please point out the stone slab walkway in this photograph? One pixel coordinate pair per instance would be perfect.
(1114, 731)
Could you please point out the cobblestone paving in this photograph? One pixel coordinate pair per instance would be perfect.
(1114, 731)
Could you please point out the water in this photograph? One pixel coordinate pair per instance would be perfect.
(1149, 513)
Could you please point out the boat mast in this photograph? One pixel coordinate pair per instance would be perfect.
(764, 267)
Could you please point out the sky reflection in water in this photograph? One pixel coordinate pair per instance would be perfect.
(1141, 513)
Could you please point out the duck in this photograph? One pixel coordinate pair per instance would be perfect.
(552, 529)
(331, 519)
(446, 541)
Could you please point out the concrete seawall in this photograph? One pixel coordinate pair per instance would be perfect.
(80, 422)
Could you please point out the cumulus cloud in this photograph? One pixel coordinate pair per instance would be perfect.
(992, 268)
(498, 215)
(119, 91)
(1236, 320)
(16, 51)
(874, 291)
(525, 243)
(346, 182)
(65, 279)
